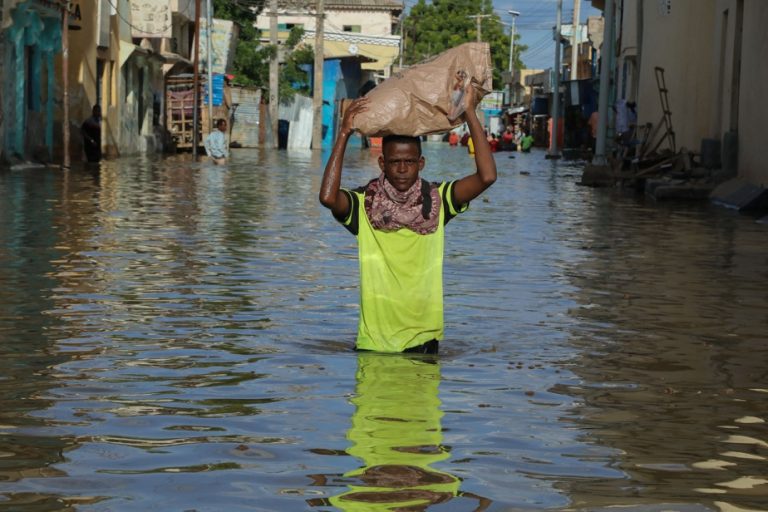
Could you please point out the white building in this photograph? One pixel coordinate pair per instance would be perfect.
(352, 28)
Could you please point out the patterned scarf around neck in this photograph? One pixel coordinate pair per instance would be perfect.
(388, 209)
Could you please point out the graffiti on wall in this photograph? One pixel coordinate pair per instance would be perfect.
(151, 18)
(222, 44)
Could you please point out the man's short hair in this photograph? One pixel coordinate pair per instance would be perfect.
(403, 139)
(219, 121)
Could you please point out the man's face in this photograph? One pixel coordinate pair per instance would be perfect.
(222, 126)
(401, 164)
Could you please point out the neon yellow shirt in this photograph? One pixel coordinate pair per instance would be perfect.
(401, 278)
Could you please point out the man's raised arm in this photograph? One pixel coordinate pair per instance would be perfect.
(469, 187)
(331, 195)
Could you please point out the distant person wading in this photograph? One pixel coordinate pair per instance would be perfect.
(216, 145)
(91, 132)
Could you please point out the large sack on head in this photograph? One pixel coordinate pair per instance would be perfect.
(427, 97)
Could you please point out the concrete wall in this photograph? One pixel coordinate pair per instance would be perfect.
(31, 37)
(82, 74)
(372, 23)
(5, 11)
(753, 104)
(681, 42)
(627, 66)
(2, 79)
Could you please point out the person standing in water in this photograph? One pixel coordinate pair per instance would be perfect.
(399, 219)
(216, 146)
(91, 132)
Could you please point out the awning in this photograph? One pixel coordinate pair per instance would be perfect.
(128, 49)
(175, 63)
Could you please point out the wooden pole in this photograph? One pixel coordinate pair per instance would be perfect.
(65, 84)
(575, 40)
(317, 92)
(196, 84)
(274, 67)
(478, 20)
(599, 158)
(209, 48)
(554, 150)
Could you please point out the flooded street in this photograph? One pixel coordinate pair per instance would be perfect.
(177, 337)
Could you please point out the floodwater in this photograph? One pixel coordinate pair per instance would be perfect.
(176, 337)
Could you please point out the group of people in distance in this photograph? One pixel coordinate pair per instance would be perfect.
(508, 140)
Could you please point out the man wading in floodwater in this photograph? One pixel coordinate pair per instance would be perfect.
(399, 222)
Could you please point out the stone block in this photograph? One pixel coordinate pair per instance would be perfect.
(597, 176)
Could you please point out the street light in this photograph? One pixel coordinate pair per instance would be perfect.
(514, 14)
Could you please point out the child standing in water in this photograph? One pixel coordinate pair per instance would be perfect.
(399, 219)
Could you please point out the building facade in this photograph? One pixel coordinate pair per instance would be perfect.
(31, 35)
(712, 53)
(352, 28)
(114, 60)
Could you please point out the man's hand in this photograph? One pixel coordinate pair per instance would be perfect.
(473, 185)
(470, 99)
(357, 106)
(330, 194)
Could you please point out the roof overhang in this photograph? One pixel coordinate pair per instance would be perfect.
(376, 52)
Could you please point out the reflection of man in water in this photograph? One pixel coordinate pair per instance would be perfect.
(396, 432)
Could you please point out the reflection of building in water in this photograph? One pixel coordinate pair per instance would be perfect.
(396, 432)
(32, 234)
(669, 323)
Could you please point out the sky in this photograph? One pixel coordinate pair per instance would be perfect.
(535, 23)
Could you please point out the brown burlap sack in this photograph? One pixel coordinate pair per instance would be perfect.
(427, 97)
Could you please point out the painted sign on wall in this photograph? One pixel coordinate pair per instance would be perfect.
(151, 18)
(222, 43)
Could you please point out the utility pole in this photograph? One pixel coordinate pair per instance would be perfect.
(511, 69)
(65, 83)
(196, 84)
(554, 151)
(273, 71)
(575, 40)
(605, 77)
(209, 11)
(479, 19)
(317, 90)
(402, 40)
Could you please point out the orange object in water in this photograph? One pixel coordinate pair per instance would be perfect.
(375, 142)
(453, 139)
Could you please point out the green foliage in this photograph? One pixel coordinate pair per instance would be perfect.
(251, 65)
(293, 79)
(431, 28)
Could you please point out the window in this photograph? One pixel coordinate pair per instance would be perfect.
(352, 28)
